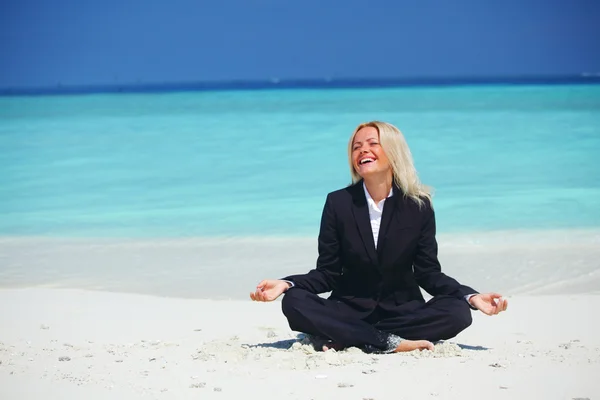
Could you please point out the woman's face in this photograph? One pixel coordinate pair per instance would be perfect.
(368, 157)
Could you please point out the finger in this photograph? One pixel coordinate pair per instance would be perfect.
(263, 296)
(499, 307)
(261, 284)
(495, 295)
(495, 306)
(505, 304)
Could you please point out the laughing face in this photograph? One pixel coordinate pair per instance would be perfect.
(368, 157)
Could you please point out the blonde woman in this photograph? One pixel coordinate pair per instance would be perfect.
(377, 247)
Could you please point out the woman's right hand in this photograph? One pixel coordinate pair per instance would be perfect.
(269, 290)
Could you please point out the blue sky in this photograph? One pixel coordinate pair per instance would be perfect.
(79, 42)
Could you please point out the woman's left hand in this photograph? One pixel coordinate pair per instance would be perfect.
(489, 303)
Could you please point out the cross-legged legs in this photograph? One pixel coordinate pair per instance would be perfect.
(442, 317)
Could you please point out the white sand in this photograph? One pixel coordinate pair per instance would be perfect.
(123, 346)
(60, 301)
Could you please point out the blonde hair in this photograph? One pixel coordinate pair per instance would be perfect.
(396, 149)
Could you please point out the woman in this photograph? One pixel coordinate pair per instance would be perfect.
(377, 246)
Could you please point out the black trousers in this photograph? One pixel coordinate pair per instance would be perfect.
(442, 317)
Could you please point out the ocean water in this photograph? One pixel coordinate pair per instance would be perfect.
(260, 163)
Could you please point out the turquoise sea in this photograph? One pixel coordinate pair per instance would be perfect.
(260, 163)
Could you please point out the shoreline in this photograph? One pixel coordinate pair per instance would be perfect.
(591, 232)
(509, 262)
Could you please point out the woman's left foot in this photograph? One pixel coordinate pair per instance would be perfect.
(410, 345)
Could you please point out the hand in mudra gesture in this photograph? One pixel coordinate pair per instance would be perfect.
(269, 290)
(489, 303)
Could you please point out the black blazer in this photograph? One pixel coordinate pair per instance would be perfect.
(357, 273)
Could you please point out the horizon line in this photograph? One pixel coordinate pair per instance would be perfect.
(298, 83)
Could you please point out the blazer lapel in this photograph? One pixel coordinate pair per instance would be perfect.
(361, 216)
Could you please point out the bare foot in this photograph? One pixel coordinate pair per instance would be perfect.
(410, 345)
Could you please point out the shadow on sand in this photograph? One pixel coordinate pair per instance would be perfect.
(469, 347)
(280, 344)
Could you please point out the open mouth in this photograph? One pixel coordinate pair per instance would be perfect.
(366, 160)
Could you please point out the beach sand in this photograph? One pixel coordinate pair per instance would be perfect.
(58, 342)
(67, 344)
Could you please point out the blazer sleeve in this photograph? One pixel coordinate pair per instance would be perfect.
(427, 270)
(326, 275)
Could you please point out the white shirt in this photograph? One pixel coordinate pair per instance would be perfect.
(375, 212)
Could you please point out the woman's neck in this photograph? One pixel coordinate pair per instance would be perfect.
(379, 187)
